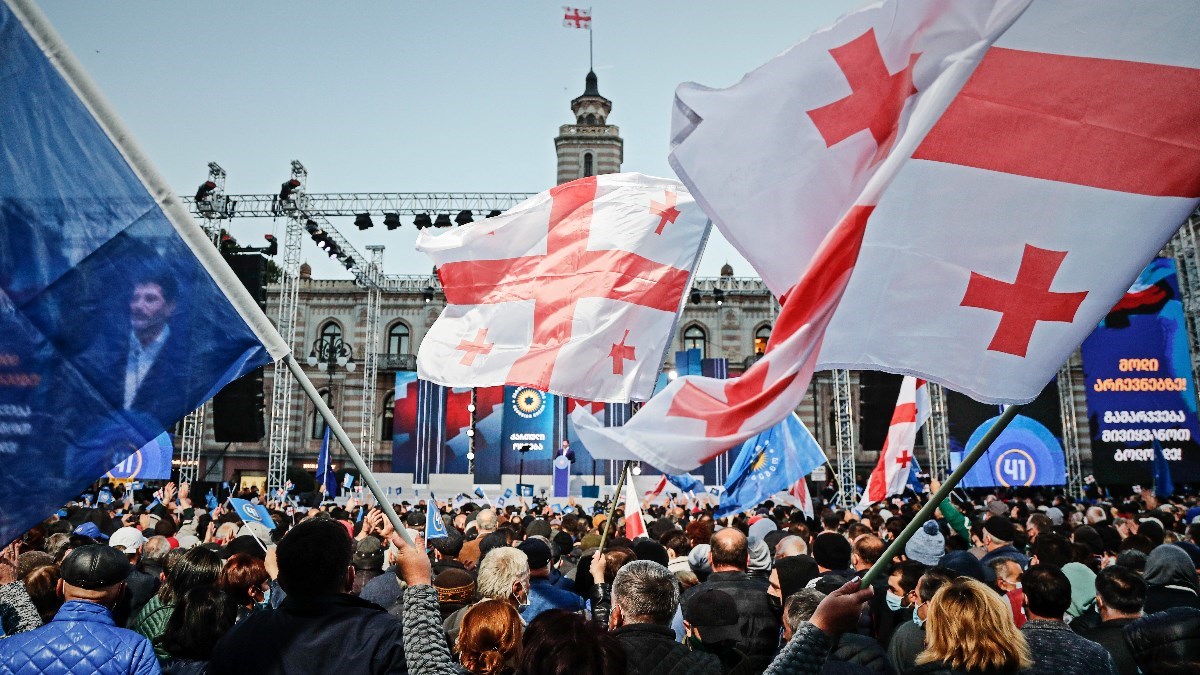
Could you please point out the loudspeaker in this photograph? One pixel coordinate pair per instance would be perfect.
(238, 408)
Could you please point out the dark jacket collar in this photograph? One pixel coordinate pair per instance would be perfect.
(645, 629)
(728, 576)
(320, 604)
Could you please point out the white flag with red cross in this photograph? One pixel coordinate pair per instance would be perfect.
(574, 291)
(577, 17)
(798, 496)
(1006, 166)
(635, 525)
(891, 473)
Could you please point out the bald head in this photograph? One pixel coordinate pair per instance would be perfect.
(485, 520)
(730, 551)
(789, 546)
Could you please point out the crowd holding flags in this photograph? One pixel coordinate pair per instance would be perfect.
(771, 462)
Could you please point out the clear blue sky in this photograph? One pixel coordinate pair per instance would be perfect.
(408, 96)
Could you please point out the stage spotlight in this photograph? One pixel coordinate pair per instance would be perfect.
(363, 221)
(428, 294)
(695, 297)
(443, 220)
(348, 262)
(285, 192)
(719, 296)
(493, 213)
(391, 220)
(422, 221)
(312, 227)
(205, 190)
(272, 244)
(470, 407)
(637, 469)
(464, 217)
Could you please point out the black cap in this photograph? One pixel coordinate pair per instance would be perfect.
(95, 566)
(831, 551)
(1000, 527)
(714, 613)
(537, 551)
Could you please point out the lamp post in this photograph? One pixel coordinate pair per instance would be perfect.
(328, 354)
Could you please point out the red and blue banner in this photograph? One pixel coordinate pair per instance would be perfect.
(1140, 389)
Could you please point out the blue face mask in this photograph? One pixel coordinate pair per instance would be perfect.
(917, 615)
(266, 601)
(894, 602)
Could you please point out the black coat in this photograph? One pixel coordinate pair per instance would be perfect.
(652, 650)
(756, 619)
(1111, 636)
(321, 634)
(863, 651)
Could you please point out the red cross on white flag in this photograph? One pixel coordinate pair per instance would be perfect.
(895, 461)
(574, 291)
(1018, 162)
(577, 17)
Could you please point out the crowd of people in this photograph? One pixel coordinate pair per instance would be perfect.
(1000, 583)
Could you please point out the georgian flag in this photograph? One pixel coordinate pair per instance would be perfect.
(635, 525)
(577, 17)
(1005, 167)
(896, 461)
(574, 291)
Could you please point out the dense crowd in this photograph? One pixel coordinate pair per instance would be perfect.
(998, 583)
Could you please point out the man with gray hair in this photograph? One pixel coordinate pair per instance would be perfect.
(645, 596)
(503, 575)
(789, 546)
(486, 522)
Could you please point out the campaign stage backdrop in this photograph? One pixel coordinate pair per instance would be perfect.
(528, 420)
(404, 423)
(1138, 374)
(1028, 452)
(152, 461)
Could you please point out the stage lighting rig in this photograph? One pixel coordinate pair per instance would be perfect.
(464, 217)
(363, 221)
(695, 297)
(422, 221)
(493, 213)
(428, 294)
(443, 220)
(391, 220)
(272, 247)
(719, 296)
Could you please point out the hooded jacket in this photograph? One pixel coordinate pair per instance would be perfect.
(1170, 580)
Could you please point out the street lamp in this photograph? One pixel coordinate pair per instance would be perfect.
(330, 353)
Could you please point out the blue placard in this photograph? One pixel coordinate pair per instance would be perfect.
(528, 421)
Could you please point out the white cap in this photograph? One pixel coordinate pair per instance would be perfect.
(128, 539)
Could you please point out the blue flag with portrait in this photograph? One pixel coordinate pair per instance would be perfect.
(769, 463)
(118, 314)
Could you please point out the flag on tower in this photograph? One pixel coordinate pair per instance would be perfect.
(1002, 175)
(574, 291)
(635, 525)
(118, 314)
(577, 17)
(894, 469)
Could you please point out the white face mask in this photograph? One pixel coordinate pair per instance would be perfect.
(522, 604)
(917, 615)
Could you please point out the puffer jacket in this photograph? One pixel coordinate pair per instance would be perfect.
(82, 638)
(756, 620)
(151, 622)
(804, 654)
(652, 650)
(863, 651)
(425, 649)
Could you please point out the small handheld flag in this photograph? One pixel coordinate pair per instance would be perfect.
(482, 495)
(435, 527)
(210, 500)
(252, 513)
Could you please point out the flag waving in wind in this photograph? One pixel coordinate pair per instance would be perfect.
(894, 470)
(771, 462)
(1001, 208)
(635, 525)
(326, 476)
(119, 316)
(574, 291)
(252, 513)
(577, 17)
(435, 527)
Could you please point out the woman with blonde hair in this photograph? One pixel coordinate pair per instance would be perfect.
(970, 631)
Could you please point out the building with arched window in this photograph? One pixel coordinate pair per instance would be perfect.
(591, 146)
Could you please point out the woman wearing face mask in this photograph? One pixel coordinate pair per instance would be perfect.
(968, 630)
(909, 639)
(245, 578)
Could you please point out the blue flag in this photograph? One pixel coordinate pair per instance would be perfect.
(435, 527)
(687, 483)
(105, 496)
(252, 513)
(210, 500)
(914, 476)
(326, 476)
(1163, 487)
(769, 463)
(118, 314)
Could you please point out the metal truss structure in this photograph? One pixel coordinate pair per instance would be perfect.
(844, 411)
(370, 361)
(937, 433)
(353, 203)
(1187, 258)
(1066, 406)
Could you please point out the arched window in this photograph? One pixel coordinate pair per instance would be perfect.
(318, 422)
(389, 414)
(588, 170)
(331, 330)
(591, 119)
(694, 337)
(399, 339)
(761, 336)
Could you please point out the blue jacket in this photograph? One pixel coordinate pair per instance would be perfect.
(543, 596)
(81, 638)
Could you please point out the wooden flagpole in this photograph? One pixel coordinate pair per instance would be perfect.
(612, 508)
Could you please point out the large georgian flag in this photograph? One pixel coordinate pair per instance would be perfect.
(895, 465)
(1006, 166)
(574, 291)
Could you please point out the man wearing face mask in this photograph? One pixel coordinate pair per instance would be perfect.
(893, 609)
(1008, 582)
(503, 575)
(909, 639)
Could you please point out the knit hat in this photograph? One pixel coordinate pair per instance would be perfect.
(589, 541)
(538, 552)
(648, 549)
(1000, 527)
(1055, 515)
(455, 585)
(831, 551)
(760, 527)
(927, 545)
(760, 555)
(538, 528)
(714, 613)
(965, 564)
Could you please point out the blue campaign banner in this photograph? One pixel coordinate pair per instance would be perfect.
(488, 403)
(528, 420)
(1138, 377)
(404, 423)
(152, 461)
(113, 327)
(1029, 451)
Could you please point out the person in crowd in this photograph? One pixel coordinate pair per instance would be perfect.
(676, 543)
(1007, 574)
(455, 590)
(446, 551)
(1120, 596)
(1056, 649)
(909, 639)
(788, 576)
(789, 546)
(503, 575)
(1083, 587)
(807, 649)
(927, 545)
(1170, 580)
(969, 631)
(41, 583)
(202, 615)
(645, 596)
(17, 611)
(757, 619)
(486, 522)
(544, 595)
(865, 551)
(154, 557)
(142, 585)
(367, 561)
(319, 626)
(245, 579)
(832, 553)
(853, 653)
(710, 625)
(998, 537)
(82, 637)
(197, 567)
(1165, 643)
(894, 607)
